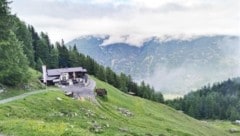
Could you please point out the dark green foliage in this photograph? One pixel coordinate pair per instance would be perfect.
(35, 39)
(101, 73)
(64, 60)
(123, 81)
(73, 57)
(24, 35)
(5, 20)
(53, 58)
(44, 50)
(110, 76)
(39, 64)
(91, 65)
(220, 101)
(158, 97)
(13, 62)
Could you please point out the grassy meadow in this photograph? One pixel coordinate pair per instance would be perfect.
(53, 114)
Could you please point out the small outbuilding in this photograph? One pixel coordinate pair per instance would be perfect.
(101, 92)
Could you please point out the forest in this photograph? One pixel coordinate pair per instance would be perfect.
(219, 101)
(21, 47)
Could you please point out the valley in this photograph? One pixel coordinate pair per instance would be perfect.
(172, 66)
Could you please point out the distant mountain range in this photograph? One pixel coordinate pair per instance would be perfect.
(171, 65)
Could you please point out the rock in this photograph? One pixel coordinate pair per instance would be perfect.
(81, 98)
(125, 112)
(148, 134)
(61, 114)
(89, 113)
(1, 90)
(180, 111)
(123, 129)
(82, 109)
(102, 117)
(234, 130)
(96, 128)
(106, 125)
(237, 122)
(203, 121)
(59, 99)
(75, 114)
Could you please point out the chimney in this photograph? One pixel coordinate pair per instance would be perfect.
(44, 72)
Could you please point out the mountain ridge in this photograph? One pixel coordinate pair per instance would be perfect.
(193, 59)
(145, 39)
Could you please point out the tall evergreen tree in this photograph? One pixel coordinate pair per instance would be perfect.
(39, 64)
(35, 40)
(5, 21)
(73, 57)
(63, 57)
(13, 63)
(53, 60)
(24, 35)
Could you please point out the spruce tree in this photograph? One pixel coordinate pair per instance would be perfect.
(53, 60)
(39, 64)
(24, 35)
(13, 62)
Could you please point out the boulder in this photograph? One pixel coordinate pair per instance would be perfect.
(59, 99)
(234, 130)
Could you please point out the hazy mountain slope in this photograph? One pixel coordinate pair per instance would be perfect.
(170, 65)
(119, 114)
(220, 101)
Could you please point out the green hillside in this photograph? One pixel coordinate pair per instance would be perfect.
(219, 101)
(53, 114)
(32, 85)
(228, 126)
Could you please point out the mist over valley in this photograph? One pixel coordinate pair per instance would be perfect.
(173, 65)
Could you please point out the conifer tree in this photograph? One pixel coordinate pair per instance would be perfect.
(13, 62)
(24, 35)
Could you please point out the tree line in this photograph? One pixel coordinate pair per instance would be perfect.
(22, 47)
(219, 101)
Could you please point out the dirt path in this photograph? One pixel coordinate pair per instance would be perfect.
(86, 92)
(21, 96)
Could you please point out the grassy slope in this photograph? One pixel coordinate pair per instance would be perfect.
(33, 84)
(226, 126)
(42, 114)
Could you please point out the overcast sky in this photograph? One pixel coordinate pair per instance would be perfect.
(68, 19)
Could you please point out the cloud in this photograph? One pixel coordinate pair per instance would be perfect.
(133, 40)
(69, 9)
(191, 76)
(69, 19)
(181, 80)
(139, 40)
